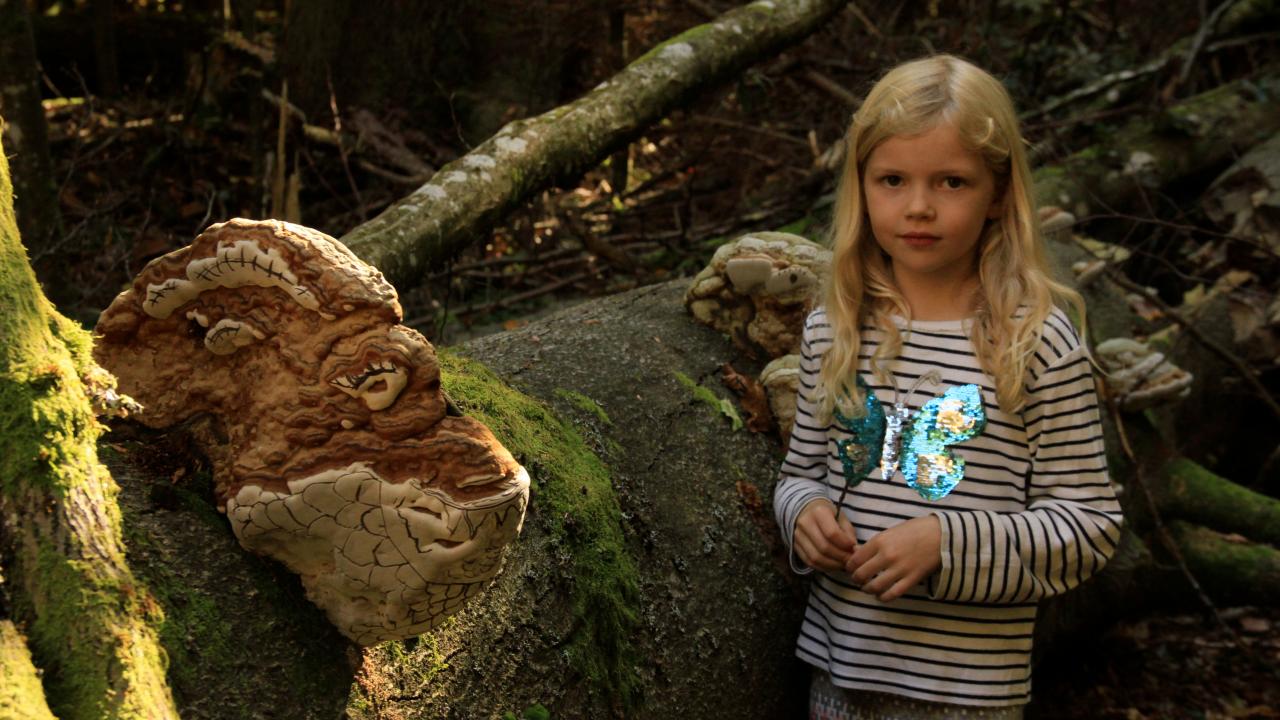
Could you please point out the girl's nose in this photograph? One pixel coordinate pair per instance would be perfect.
(920, 206)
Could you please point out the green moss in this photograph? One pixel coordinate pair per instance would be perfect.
(582, 402)
(573, 498)
(705, 395)
(118, 650)
(20, 694)
(684, 37)
(535, 711)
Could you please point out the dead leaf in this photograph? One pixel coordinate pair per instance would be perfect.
(1233, 279)
(1255, 625)
(1143, 307)
(514, 324)
(1247, 316)
(752, 396)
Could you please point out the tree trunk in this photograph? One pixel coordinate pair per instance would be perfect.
(469, 194)
(104, 48)
(91, 623)
(26, 135)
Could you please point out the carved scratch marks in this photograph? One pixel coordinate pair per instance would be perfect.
(233, 265)
(360, 543)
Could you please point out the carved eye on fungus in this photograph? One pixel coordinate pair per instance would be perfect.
(378, 384)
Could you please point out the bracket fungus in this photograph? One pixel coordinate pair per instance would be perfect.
(781, 380)
(758, 289)
(334, 448)
(1139, 376)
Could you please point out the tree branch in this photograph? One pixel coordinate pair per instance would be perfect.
(465, 197)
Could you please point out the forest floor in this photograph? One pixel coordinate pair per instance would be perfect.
(1168, 667)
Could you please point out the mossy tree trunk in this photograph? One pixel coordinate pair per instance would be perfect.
(1198, 134)
(468, 195)
(89, 621)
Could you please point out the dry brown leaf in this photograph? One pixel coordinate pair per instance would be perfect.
(1255, 625)
(752, 396)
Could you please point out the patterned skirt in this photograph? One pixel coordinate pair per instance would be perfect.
(828, 702)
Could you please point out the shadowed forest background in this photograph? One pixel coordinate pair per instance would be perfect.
(161, 117)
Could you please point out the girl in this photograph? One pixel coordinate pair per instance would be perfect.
(946, 471)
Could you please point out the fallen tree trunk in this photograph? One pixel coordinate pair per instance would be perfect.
(467, 196)
(1198, 134)
(90, 621)
(1118, 87)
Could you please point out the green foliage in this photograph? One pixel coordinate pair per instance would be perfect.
(573, 498)
(706, 395)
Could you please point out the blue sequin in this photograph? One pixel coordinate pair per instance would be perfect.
(918, 445)
(930, 468)
(859, 454)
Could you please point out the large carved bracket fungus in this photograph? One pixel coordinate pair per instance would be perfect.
(758, 288)
(324, 419)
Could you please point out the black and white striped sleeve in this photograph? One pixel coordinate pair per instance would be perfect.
(801, 480)
(1072, 522)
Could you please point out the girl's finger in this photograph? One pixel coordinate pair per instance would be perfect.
(846, 526)
(869, 569)
(833, 533)
(812, 556)
(898, 589)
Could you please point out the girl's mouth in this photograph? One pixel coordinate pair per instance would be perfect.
(919, 239)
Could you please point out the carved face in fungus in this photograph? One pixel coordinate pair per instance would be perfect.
(332, 448)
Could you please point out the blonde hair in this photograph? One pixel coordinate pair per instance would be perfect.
(1013, 271)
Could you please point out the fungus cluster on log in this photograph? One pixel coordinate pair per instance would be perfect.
(334, 448)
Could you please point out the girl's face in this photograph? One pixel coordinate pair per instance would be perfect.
(928, 198)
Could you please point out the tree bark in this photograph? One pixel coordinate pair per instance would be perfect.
(91, 623)
(26, 134)
(466, 196)
(1201, 133)
(104, 48)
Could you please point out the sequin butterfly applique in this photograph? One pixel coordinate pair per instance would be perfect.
(929, 467)
(919, 444)
(860, 453)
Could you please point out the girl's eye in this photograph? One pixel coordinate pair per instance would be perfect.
(892, 181)
(955, 183)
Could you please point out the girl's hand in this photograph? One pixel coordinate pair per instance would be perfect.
(896, 559)
(822, 541)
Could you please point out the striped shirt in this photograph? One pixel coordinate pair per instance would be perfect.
(1034, 516)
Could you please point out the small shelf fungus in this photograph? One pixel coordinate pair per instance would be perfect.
(758, 289)
(325, 422)
(1140, 377)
